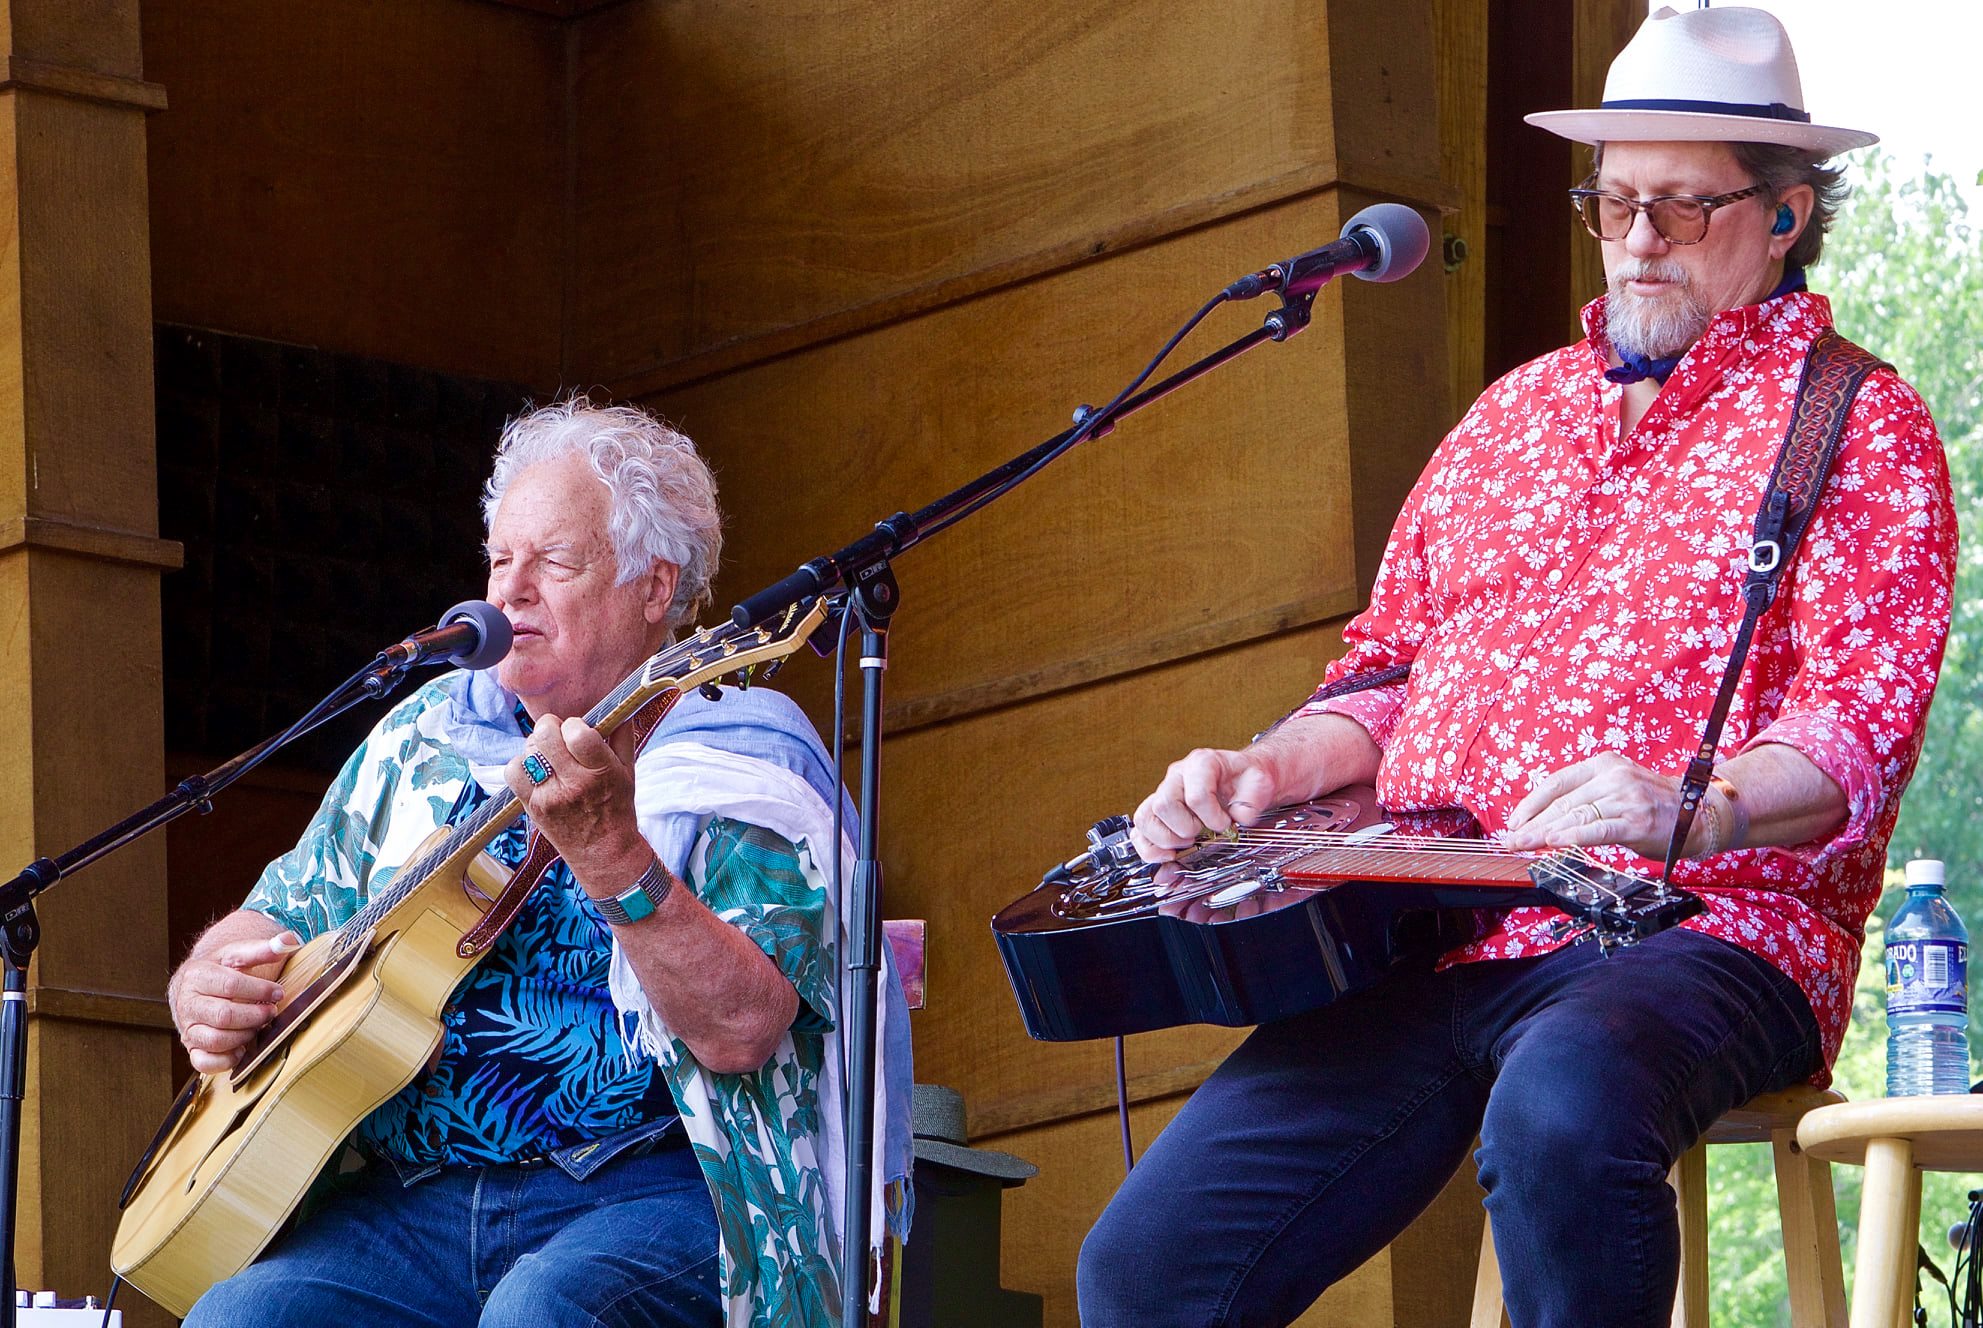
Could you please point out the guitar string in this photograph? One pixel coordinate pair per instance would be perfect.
(502, 805)
(1574, 863)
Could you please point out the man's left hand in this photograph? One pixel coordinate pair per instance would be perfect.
(584, 802)
(1604, 800)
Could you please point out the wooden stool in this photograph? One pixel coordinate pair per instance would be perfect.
(1804, 1201)
(1895, 1139)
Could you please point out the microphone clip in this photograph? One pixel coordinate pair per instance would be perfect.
(1292, 316)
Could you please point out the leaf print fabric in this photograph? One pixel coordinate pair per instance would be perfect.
(531, 1056)
(1560, 591)
(536, 1056)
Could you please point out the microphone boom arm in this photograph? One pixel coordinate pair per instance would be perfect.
(194, 793)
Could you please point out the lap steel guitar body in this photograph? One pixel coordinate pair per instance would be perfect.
(1281, 917)
(361, 1016)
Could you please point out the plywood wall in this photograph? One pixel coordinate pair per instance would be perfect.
(371, 176)
(864, 254)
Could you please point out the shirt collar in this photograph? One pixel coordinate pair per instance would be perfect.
(1785, 311)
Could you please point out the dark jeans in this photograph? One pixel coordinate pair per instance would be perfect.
(632, 1245)
(1323, 1136)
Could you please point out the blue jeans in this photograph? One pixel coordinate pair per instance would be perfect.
(633, 1243)
(1323, 1136)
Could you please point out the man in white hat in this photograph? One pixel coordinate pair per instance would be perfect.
(1565, 584)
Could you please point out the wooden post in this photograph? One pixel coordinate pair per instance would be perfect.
(1598, 33)
(1461, 58)
(79, 620)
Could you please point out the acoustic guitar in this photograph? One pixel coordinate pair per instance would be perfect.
(362, 1014)
(1276, 919)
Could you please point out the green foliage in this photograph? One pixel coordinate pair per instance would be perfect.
(1904, 269)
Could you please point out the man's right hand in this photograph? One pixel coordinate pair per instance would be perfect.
(221, 998)
(1214, 790)
(1209, 790)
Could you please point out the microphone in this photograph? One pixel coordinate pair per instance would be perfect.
(473, 634)
(1383, 242)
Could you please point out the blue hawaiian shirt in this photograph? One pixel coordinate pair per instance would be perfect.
(532, 1055)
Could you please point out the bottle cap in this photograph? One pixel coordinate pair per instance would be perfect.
(1925, 871)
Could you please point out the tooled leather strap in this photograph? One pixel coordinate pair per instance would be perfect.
(538, 855)
(1834, 371)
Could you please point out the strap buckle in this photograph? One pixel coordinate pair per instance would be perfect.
(1765, 556)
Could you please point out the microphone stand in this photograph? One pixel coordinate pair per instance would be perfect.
(863, 569)
(20, 929)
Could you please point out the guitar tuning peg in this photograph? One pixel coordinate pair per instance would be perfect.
(1569, 928)
(771, 669)
(711, 692)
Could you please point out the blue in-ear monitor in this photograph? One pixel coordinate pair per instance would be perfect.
(1785, 219)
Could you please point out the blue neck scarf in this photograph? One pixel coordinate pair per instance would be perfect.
(1633, 367)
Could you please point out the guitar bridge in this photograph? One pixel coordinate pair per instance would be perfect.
(1615, 908)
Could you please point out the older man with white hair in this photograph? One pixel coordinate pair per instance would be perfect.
(631, 1116)
(1564, 586)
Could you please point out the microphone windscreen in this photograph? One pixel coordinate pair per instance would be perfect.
(493, 633)
(1400, 235)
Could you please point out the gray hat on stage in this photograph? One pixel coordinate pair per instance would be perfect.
(941, 1137)
(1706, 75)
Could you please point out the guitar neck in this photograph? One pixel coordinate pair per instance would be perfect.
(1431, 862)
(705, 655)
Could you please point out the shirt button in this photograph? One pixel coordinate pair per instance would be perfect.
(431, 1089)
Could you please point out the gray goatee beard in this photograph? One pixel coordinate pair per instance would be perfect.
(1653, 326)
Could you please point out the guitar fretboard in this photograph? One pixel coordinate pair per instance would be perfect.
(480, 827)
(1372, 862)
(1354, 856)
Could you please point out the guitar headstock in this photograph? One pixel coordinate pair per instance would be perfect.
(708, 654)
(714, 652)
(1613, 907)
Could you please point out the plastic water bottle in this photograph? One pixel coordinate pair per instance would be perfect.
(1927, 990)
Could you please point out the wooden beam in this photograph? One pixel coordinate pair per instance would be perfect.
(84, 84)
(1598, 32)
(101, 1007)
(1423, 192)
(558, 8)
(1461, 46)
(133, 548)
(79, 642)
(1130, 656)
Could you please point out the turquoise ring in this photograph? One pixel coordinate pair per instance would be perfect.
(537, 768)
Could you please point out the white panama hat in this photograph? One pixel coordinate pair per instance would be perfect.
(1707, 75)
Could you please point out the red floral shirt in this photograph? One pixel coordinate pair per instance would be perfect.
(1561, 592)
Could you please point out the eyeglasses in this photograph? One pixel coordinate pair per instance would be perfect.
(1679, 218)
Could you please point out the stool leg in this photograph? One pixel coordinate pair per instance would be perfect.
(1489, 1311)
(1910, 1261)
(1689, 1179)
(1811, 1259)
(1879, 1294)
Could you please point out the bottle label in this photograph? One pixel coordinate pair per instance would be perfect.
(1927, 977)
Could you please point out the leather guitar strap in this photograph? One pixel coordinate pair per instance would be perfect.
(539, 856)
(1833, 373)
